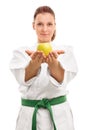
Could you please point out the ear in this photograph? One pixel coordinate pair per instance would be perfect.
(33, 25)
(55, 26)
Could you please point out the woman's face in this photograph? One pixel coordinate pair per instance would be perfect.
(44, 24)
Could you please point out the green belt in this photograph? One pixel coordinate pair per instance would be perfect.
(44, 103)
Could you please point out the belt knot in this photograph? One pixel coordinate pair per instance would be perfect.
(43, 103)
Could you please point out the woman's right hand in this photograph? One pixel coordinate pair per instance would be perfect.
(37, 58)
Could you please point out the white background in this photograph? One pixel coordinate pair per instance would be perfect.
(16, 18)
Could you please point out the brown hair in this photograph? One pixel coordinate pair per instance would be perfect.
(45, 9)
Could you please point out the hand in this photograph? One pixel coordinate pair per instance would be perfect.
(36, 56)
(54, 66)
(34, 65)
(51, 59)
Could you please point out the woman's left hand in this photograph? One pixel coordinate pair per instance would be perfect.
(51, 59)
(54, 66)
(53, 56)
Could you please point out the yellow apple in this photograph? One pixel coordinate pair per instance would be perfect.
(45, 47)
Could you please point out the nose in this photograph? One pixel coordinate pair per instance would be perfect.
(45, 28)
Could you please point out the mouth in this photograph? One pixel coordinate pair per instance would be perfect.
(44, 34)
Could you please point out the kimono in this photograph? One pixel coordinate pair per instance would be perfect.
(43, 85)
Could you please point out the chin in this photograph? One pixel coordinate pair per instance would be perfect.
(45, 40)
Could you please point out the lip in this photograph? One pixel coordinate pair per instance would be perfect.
(44, 34)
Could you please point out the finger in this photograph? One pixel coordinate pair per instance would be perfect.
(41, 59)
(41, 53)
(28, 52)
(60, 52)
(55, 54)
(38, 56)
(50, 57)
(34, 55)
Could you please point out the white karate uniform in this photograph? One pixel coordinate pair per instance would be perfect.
(43, 85)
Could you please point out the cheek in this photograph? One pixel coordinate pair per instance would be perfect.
(38, 32)
(52, 31)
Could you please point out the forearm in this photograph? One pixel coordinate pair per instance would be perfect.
(30, 71)
(57, 72)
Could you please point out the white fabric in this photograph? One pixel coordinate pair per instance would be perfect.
(43, 86)
(61, 113)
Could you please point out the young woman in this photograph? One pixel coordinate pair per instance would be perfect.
(43, 79)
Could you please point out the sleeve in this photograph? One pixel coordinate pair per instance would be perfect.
(68, 62)
(18, 64)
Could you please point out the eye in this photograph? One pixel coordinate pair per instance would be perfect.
(39, 24)
(49, 24)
